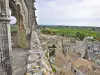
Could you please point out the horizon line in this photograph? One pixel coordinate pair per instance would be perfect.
(67, 25)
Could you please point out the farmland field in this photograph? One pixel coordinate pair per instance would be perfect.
(73, 31)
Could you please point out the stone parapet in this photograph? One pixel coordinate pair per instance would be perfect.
(37, 63)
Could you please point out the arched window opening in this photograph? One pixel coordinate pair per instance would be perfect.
(13, 19)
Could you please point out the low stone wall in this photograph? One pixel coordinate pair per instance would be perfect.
(37, 63)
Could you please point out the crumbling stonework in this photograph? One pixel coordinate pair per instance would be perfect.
(25, 20)
(5, 42)
(37, 61)
(35, 42)
(24, 11)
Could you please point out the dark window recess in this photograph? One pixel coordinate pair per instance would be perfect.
(74, 71)
(83, 57)
(88, 47)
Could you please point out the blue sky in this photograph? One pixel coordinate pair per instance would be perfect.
(68, 12)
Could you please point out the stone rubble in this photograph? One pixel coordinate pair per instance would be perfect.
(37, 63)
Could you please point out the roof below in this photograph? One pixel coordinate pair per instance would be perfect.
(82, 62)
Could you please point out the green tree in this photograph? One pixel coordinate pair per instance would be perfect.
(62, 34)
(77, 34)
(80, 35)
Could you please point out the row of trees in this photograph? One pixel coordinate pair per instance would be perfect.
(47, 31)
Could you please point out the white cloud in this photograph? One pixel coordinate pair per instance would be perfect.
(74, 12)
(13, 20)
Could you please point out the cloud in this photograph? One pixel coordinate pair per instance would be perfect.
(68, 12)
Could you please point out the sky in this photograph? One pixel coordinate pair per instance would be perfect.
(68, 12)
(12, 18)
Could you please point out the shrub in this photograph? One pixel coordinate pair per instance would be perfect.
(80, 35)
(54, 46)
(53, 69)
(46, 31)
(52, 52)
(62, 34)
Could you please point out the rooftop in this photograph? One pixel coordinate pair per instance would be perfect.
(82, 62)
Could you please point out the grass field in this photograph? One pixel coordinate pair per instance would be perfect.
(14, 28)
(72, 31)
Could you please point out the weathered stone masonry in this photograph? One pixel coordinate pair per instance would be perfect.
(5, 62)
(24, 11)
(5, 36)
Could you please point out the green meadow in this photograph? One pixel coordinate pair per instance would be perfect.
(72, 31)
